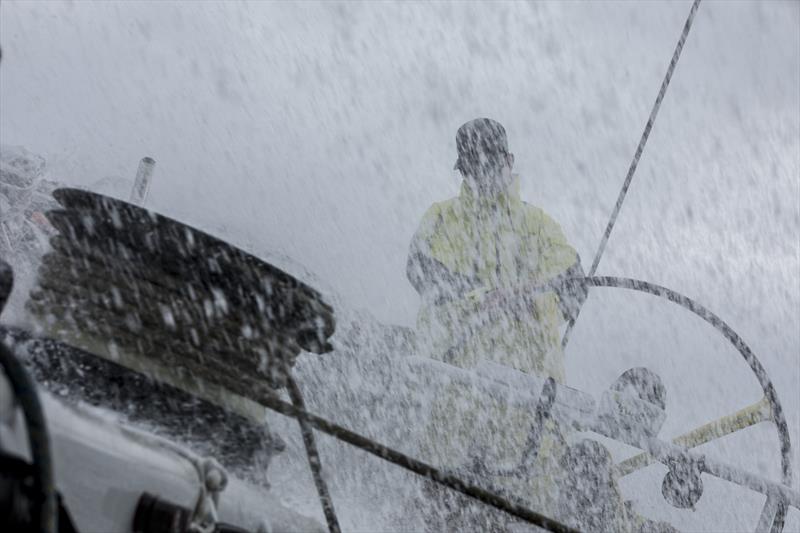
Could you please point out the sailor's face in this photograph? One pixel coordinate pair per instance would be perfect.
(491, 179)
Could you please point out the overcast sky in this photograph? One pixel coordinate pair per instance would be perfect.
(324, 131)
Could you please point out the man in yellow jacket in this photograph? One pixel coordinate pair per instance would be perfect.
(475, 261)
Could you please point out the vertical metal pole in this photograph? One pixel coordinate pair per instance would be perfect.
(142, 184)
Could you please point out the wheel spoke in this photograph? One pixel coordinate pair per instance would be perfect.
(744, 418)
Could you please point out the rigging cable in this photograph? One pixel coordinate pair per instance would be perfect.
(635, 162)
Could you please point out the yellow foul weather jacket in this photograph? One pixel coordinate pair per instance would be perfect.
(465, 249)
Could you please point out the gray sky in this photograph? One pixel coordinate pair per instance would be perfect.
(324, 131)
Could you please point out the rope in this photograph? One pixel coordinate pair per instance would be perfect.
(314, 461)
(636, 156)
(513, 507)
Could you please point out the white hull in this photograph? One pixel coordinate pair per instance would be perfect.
(102, 467)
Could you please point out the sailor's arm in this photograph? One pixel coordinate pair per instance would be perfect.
(572, 295)
(428, 276)
(558, 261)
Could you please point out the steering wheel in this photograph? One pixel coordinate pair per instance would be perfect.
(768, 408)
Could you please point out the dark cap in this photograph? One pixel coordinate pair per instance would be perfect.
(480, 136)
